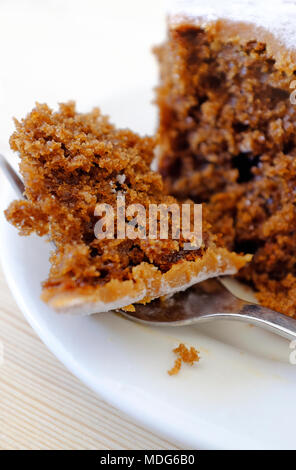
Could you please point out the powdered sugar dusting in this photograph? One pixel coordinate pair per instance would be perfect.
(276, 16)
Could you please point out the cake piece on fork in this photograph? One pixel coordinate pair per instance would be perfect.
(70, 164)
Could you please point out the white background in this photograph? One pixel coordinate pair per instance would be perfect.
(87, 50)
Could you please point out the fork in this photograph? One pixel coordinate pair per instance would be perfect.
(203, 302)
(207, 301)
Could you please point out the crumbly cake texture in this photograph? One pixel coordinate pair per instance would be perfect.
(227, 130)
(184, 355)
(70, 162)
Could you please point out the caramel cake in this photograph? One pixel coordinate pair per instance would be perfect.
(227, 132)
(70, 162)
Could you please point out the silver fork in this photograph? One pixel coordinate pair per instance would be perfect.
(203, 302)
(207, 301)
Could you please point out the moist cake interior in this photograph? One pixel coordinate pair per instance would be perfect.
(70, 162)
(227, 138)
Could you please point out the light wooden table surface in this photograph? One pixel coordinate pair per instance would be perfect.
(43, 406)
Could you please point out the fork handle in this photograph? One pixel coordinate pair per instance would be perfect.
(270, 320)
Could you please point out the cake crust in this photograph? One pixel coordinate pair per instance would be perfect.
(147, 283)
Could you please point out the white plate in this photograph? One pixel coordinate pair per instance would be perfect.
(241, 394)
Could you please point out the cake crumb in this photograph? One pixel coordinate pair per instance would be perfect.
(190, 356)
(129, 308)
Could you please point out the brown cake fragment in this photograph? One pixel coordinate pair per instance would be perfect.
(70, 162)
(186, 355)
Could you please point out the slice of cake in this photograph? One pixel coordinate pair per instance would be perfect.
(73, 163)
(227, 132)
